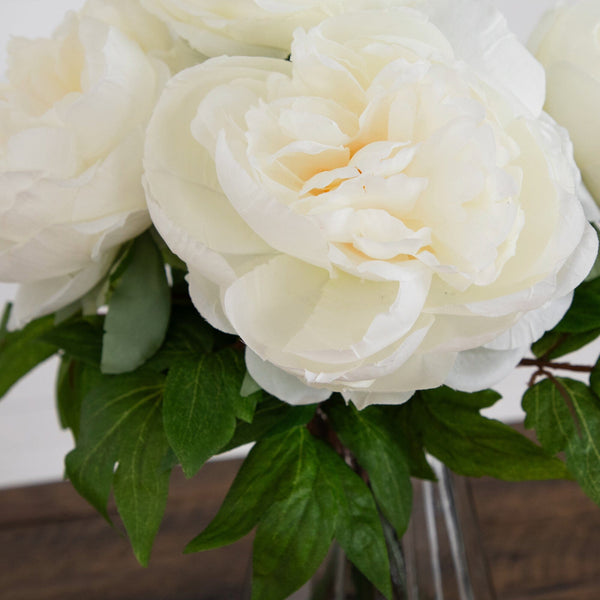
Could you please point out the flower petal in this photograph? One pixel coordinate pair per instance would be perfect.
(282, 385)
(480, 36)
(482, 368)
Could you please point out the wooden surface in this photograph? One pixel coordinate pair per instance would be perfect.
(542, 541)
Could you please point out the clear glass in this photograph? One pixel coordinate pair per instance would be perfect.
(440, 557)
(444, 557)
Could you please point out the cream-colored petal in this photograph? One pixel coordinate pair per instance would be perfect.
(421, 371)
(480, 36)
(119, 88)
(206, 296)
(280, 227)
(364, 399)
(46, 296)
(282, 385)
(271, 303)
(180, 175)
(482, 368)
(531, 326)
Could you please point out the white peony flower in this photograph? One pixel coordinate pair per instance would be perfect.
(389, 211)
(250, 27)
(72, 123)
(567, 43)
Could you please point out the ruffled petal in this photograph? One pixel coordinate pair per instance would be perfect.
(46, 296)
(483, 368)
(480, 36)
(282, 385)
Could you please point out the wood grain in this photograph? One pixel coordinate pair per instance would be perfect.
(54, 547)
(541, 540)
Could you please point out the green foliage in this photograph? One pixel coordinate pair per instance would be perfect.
(566, 416)
(399, 423)
(80, 339)
(139, 309)
(368, 436)
(148, 386)
(472, 445)
(188, 335)
(555, 344)
(22, 350)
(121, 422)
(295, 532)
(264, 478)
(202, 401)
(358, 528)
(141, 483)
(301, 495)
(75, 379)
(271, 417)
(583, 316)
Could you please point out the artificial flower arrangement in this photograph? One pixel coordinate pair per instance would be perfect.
(324, 227)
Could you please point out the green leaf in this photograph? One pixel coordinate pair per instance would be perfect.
(471, 445)
(202, 401)
(80, 339)
(75, 379)
(141, 483)
(295, 533)
(22, 350)
(548, 413)
(566, 416)
(554, 344)
(358, 527)
(300, 494)
(120, 264)
(399, 419)
(271, 417)
(188, 335)
(120, 423)
(367, 435)
(474, 401)
(246, 406)
(266, 476)
(583, 316)
(595, 379)
(138, 311)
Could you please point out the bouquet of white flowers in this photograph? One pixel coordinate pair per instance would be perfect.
(323, 227)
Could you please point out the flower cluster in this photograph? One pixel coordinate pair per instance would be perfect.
(73, 116)
(321, 227)
(367, 193)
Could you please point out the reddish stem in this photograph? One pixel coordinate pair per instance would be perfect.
(545, 364)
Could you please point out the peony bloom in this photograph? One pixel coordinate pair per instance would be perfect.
(72, 122)
(389, 211)
(250, 27)
(567, 43)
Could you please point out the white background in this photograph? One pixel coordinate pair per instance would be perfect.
(32, 446)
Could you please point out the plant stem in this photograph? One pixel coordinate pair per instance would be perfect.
(562, 366)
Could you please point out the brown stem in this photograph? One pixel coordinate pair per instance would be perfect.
(321, 428)
(534, 377)
(546, 364)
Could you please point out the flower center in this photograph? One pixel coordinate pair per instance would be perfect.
(419, 170)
